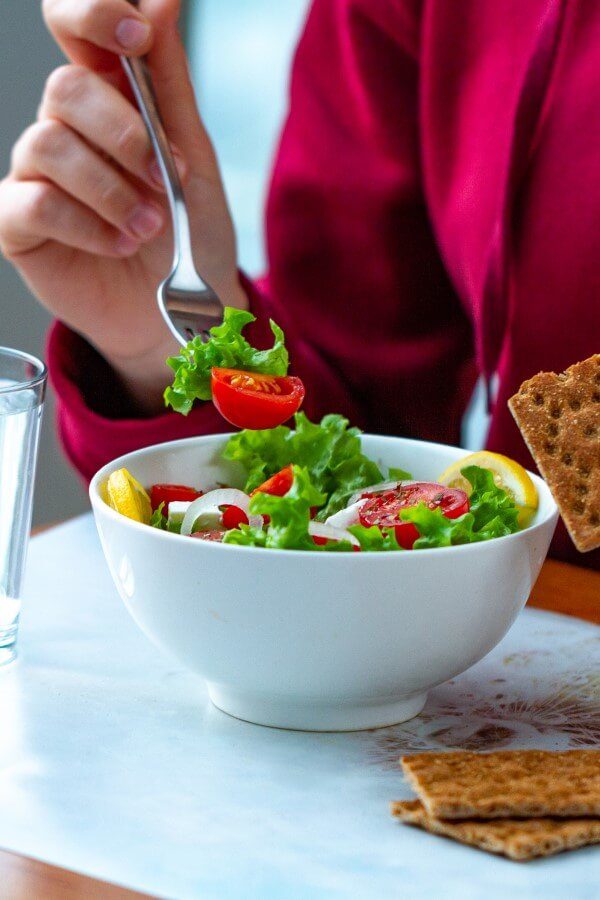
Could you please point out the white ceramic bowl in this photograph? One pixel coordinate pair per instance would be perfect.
(316, 641)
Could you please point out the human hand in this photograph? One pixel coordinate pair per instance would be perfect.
(83, 212)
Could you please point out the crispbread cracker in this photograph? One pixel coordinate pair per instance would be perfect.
(506, 784)
(559, 418)
(516, 838)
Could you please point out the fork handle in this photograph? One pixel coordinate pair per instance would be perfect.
(140, 80)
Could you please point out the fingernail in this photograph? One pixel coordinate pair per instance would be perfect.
(126, 245)
(131, 33)
(145, 221)
(156, 174)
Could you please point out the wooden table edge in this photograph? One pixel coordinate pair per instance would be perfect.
(568, 589)
(24, 878)
(560, 588)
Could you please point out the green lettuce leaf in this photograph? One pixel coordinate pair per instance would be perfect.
(160, 521)
(493, 510)
(436, 530)
(246, 536)
(330, 451)
(375, 540)
(261, 453)
(396, 474)
(289, 515)
(226, 348)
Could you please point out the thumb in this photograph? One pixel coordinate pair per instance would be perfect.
(174, 90)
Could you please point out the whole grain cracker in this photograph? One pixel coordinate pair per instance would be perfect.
(519, 839)
(507, 783)
(559, 418)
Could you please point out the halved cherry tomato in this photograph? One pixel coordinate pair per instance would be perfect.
(164, 493)
(251, 400)
(215, 535)
(233, 517)
(278, 484)
(384, 509)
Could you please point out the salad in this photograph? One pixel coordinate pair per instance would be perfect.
(312, 487)
(249, 387)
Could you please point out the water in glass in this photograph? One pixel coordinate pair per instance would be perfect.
(20, 416)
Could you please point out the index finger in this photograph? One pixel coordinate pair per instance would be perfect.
(89, 31)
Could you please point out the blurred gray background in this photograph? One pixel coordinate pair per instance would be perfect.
(240, 53)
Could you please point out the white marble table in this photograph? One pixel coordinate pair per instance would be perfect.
(113, 762)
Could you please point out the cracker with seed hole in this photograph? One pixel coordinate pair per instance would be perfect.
(519, 839)
(559, 418)
(507, 783)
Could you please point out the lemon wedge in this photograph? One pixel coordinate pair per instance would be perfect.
(508, 475)
(128, 497)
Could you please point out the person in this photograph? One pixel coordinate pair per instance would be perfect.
(433, 215)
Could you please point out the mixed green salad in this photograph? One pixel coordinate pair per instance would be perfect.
(311, 487)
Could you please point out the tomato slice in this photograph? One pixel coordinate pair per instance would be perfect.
(164, 493)
(251, 400)
(216, 534)
(278, 484)
(233, 517)
(384, 509)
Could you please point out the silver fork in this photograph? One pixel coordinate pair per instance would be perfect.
(187, 302)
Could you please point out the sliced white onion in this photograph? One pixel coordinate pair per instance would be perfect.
(378, 489)
(209, 519)
(329, 533)
(211, 501)
(347, 516)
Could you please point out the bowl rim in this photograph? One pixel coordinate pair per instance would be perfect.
(99, 504)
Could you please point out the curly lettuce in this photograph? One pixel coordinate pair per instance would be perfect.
(159, 520)
(374, 539)
(330, 451)
(493, 509)
(226, 348)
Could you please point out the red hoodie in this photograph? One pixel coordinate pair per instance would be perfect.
(434, 213)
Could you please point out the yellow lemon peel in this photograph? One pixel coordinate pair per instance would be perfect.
(128, 497)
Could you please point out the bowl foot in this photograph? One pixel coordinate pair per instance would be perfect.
(306, 716)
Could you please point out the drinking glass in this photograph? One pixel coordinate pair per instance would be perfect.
(22, 389)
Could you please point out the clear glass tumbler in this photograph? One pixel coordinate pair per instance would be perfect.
(22, 389)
